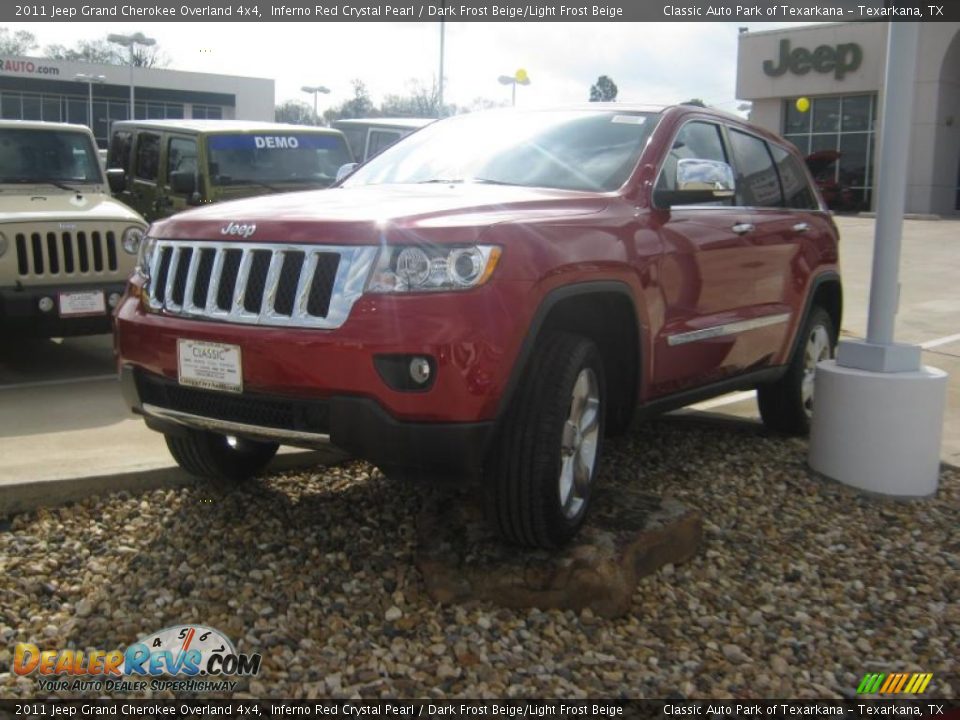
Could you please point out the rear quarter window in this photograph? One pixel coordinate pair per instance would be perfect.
(796, 190)
(757, 181)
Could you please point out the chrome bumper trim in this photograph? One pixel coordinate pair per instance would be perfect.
(227, 427)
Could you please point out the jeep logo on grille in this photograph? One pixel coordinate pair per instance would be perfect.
(242, 230)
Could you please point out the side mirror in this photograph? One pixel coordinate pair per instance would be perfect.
(117, 179)
(698, 181)
(183, 182)
(345, 171)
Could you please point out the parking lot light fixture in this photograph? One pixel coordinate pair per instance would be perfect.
(90, 80)
(315, 90)
(520, 77)
(130, 41)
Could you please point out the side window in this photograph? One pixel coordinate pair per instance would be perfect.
(757, 182)
(148, 156)
(181, 155)
(380, 140)
(120, 150)
(796, 190)
(701, 140)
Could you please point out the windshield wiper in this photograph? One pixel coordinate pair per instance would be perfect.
(41, 181)
(471, 180)
(245, 181)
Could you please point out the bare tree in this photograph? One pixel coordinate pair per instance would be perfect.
(296, 112)
(359, 106)
(20, 42)
(103, 52)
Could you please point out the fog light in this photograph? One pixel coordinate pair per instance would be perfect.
(45, 304)
(420, 370)
(113, 299)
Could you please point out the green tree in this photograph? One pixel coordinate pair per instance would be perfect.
(20, 42)
(696, 102)
(603, 90)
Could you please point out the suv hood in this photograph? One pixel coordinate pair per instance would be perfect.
(36, 203)
(361, 214)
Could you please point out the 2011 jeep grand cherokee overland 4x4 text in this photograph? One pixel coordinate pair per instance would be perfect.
(488, 299)
(66, 247)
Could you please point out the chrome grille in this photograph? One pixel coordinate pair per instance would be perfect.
(258, 284)
(63, 254)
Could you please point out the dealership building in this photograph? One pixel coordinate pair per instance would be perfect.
(58, 91)
(836, 71)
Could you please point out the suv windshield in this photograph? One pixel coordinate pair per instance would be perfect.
(568, 150)
(47, 156)
(245, 159)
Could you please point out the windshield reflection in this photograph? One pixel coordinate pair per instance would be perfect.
(573, 150)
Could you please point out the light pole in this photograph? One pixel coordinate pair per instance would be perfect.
(89, 80)
(443, 4)
(315, 90)
(130, 41)
(520, 77)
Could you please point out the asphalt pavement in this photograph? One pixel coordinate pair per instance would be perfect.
(65, 432)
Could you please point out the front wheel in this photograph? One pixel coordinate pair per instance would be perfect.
(539, 480)
(224, 461)
(787, 404)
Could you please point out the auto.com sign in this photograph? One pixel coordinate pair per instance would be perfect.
(27, 67)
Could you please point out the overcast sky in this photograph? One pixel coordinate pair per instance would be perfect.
(650, 62)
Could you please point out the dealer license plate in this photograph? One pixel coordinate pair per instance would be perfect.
(73, 304)
(209, 365)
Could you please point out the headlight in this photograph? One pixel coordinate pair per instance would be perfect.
(3, 244)
(132, 237)
(429, 268)
(145, 256)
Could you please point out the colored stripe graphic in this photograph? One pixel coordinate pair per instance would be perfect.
(870, 683)
(894, 683)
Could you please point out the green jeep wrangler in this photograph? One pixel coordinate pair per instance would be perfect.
(160, 167)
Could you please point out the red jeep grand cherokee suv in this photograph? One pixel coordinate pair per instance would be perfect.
(487, 299)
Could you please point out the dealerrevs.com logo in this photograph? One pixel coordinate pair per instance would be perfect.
(178, 658)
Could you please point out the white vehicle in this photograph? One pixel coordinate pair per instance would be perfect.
(66, 246)
(371, 136)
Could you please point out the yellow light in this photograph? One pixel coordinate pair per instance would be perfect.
(521, 76)
(803, 104)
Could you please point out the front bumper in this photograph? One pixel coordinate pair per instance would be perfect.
(20, 312)
(357, 425)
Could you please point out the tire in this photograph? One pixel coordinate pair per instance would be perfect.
(225, 462)
(554, 425)
(787, 404)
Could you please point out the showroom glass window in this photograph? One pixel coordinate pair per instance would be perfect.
(836, 136)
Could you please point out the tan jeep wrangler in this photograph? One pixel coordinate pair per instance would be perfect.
(66, 246)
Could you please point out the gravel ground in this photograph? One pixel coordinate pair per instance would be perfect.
(801, 587)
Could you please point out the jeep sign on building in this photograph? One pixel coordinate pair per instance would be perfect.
(838, 68)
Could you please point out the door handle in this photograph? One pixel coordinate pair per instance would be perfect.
(801, 227)
(742, 228)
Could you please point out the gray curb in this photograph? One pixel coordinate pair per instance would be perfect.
(23, 497)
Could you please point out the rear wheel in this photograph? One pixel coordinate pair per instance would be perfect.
(540, 477)
(223, 460)
(787, 405)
